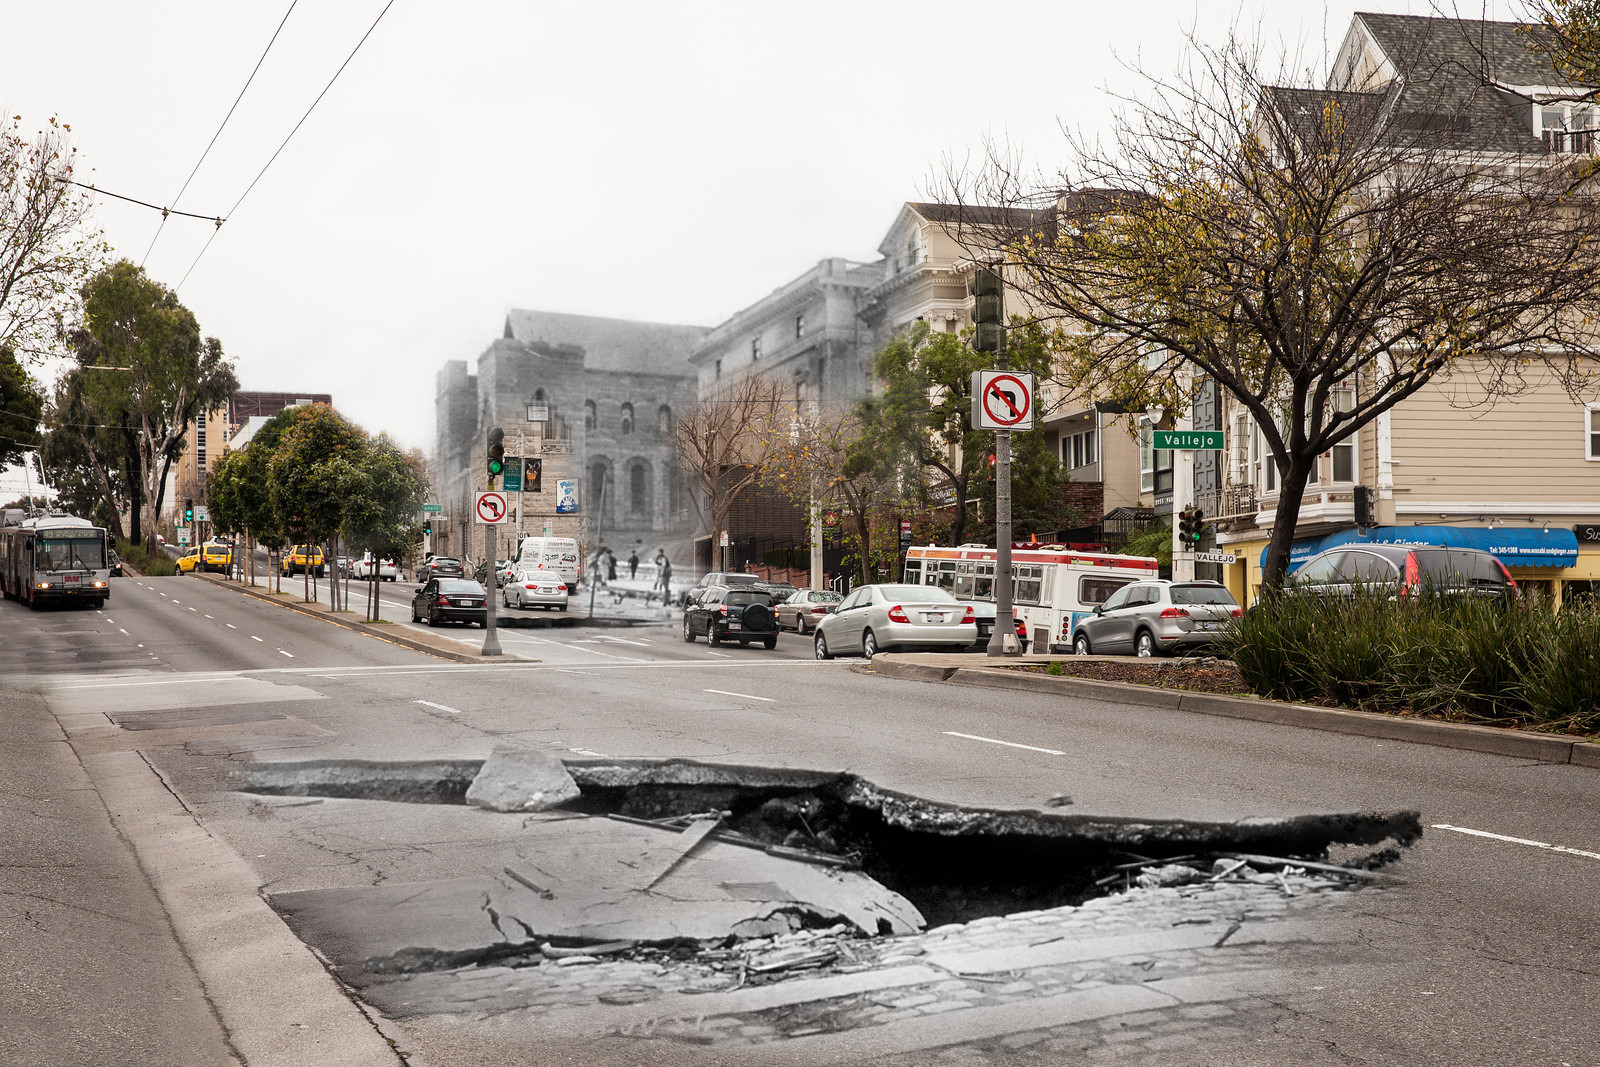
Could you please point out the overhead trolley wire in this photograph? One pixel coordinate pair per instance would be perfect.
(286, 140)
(254, 71)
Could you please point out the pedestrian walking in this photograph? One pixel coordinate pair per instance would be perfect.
(611, 566)
(633, 564)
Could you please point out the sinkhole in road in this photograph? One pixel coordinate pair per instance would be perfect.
(954, 863)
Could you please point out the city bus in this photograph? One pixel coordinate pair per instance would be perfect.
(1052, 586)
(53, 558)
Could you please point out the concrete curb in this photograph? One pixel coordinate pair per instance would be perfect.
(1546, 748)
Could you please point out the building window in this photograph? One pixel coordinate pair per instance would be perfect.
(1343, 460)
(1078, 450)
(717, 369)
(627, 419)
(638, 489)
(1241, 448)
(1591, 435)
(664, 419)
(1568, 128)
(800, 325)
(755, 349)
(591, 415)
(1147, 457)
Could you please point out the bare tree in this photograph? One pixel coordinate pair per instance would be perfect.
(47, 248)
(724, 441)
(1321, 254)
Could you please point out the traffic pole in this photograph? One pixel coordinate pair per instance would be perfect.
(491, 639)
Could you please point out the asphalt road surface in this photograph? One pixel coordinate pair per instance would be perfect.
(1485, 951)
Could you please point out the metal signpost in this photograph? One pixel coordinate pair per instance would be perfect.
(491, 512)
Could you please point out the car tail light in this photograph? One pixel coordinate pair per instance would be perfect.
(970, 616)
(1174, 613)
(722, 609)
(534, 587)
(818, 609)
(1511, 582)
(444, 601)
(1413, 578)
(1238, 613)
(1020, 628)
(898, 614)
(561, 588)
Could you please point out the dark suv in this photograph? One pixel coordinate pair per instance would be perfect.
(1404, 571)
(440, 567)
(694, 592)
(739, 613)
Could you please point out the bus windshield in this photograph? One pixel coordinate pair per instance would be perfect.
(59, 552)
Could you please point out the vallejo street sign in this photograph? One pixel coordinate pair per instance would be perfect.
(1195, 440)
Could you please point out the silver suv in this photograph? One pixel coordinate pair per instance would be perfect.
(1154, 617)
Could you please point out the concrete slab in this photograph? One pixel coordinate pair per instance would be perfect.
(521, 779)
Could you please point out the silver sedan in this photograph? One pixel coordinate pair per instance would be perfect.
(536, 585)
(881, 618)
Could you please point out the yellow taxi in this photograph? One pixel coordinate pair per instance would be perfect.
(216, 556)
(297, 559)
(189, 562)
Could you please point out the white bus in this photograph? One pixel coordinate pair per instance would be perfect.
(1052, 586)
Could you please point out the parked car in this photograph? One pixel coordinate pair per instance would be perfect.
(440, 567)
(297, 559)
(1156, 616)
(450, 600)
(388, 570)
(985, 612)
(780, 591)
(189, 562)
(739, 613)
(1404, 571)
(804, 608)
(712, 578)
(882, 618)
(115, 562)
(532, 586)
(342, 566)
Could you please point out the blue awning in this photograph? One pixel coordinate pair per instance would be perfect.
(1513, 546)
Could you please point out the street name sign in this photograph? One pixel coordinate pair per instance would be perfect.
(1215, 557)
(1197, 440)
(490, 508)
(433, 509)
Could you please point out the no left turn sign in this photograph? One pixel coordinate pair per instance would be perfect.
(1002, 400)
(491, 508)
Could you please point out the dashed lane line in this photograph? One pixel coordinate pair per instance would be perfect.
(741, 696)
(1519, 841)
(441, 707)
(1008, 744)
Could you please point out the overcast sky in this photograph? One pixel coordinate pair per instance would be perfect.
(662, 161)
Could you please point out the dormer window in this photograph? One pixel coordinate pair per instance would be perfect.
(1568, 128)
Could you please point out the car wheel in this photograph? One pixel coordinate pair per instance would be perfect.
(712, 637)
(688, 631)
(1080, 645)
(869, 645)
(432, 621)
(1144, 644)
(819, 646)
(800, 625)
(770, 643)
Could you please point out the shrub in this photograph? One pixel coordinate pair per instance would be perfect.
(137, 558)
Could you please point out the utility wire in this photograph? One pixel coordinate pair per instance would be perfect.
(165, 211)
(286, 140)
(214, 136)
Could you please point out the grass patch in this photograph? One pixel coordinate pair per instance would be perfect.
(152, 566)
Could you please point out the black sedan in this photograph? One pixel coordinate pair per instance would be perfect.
(440, 567)
(450, 600)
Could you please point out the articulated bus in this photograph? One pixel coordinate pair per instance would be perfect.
(1052, 586)
(54, 557)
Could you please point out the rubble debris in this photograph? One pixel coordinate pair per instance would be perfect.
(693, 834)
(521, 779)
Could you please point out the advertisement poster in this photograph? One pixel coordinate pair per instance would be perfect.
(566, 496)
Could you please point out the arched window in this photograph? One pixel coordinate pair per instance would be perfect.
(627, 419)
(638, 488)
(591, 415)
(664, 419)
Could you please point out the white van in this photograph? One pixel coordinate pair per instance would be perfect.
(553, 554)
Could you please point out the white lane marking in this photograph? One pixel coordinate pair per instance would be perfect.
(1519, 841)
(741, 696)
(253, 637)
(723, 655)
(230, 626)
(196, 610)
(564, 670)
(441, 707)
(625, 641)
(281, 652)
(208, 616)
(1008, 744)
(124, 631)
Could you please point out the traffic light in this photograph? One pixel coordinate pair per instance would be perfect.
(188, 512)
(1198, 518)
(988, 309)
(427, 527)
(1365, 516)
(532, 472)
(1186, 525)
(497, 453)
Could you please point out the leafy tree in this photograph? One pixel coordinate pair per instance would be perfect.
(47, 247)
(1291, 242)
(153, 364)
(925, 409)
(385, 489)
(86, 460)
(21, 406)
(310, 472)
